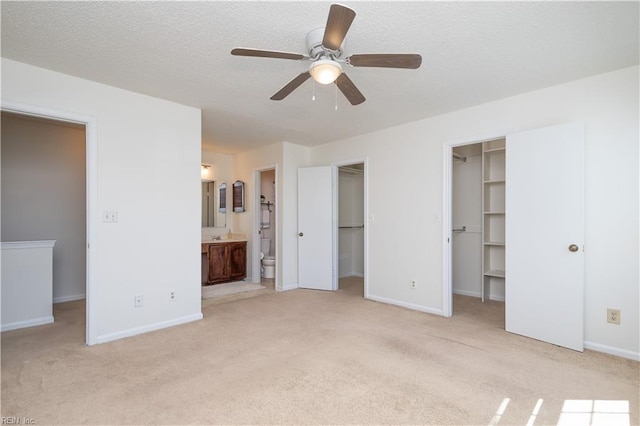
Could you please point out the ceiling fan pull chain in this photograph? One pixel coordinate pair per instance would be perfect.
(313, 93)
(336, 98)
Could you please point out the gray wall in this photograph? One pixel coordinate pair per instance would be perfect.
(43, 194)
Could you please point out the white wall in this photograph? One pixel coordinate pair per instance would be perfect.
(246, 222)
(407, 162)
(245, 165)
(293, 157)
(285, 158)
(148, 169)
(466, 247)
(43, 194)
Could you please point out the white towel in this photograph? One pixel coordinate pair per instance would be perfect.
(265, 221)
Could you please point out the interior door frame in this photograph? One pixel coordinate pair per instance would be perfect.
(447, 213)
(255, 252)
(91, 185)
(335, 166)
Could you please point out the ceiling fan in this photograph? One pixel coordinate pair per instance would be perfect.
(325, 54)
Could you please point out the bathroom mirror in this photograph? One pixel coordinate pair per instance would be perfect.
(213, 205)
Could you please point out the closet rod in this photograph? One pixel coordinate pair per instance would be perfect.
(463, 229)
(459, 157)
(351, 227)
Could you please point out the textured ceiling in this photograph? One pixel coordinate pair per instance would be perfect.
(473, 52)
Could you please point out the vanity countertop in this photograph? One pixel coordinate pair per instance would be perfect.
(224, 239)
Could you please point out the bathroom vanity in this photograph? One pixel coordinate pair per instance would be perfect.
(226, 260)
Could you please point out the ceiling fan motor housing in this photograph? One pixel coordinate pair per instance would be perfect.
(315, 48)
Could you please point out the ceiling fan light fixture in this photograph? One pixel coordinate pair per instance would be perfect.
(325, 71)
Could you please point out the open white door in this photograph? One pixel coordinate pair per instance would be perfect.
(315, 228)
(545, 235)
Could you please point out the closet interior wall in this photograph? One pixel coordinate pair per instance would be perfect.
(350, 222)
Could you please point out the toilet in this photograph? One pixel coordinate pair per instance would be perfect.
(268, 262)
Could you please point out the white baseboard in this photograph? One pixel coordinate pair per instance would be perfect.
(406, 305)
(288, 287)
(147, 328)
(28, 323)
(477, 295)
(351, 274)
(612, 351)
(63, 299)
(469, 293)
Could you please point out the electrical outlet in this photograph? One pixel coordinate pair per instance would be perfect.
(172, 296)
(138, 301)
(613, 316)
(413, 284)
(110, 216)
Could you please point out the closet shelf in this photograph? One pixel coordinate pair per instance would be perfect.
(490, 150)
(494, 214)
(495, 273)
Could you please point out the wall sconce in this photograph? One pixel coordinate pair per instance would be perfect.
(205, 172)
(238, 197)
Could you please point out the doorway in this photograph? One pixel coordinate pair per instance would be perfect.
(532, 208)
(44, 197)
(319, 226)
(267, 235)
(351, 223)
(474, 293)
(91, 180)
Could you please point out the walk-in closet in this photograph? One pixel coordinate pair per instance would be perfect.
(478, 218)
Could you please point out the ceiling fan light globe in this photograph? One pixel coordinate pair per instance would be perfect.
(325, 71)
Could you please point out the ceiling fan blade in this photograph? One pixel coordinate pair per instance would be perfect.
(290, 86)
(390, 60)
(349, 90)
(338, 23)
(266, 54)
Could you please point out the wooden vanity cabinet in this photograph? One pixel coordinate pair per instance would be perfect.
(237, 260)
(217, 262)
(226, 261)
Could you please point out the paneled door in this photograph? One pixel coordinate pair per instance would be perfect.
(544, 262)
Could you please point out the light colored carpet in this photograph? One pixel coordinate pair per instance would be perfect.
(226, 289)
(312, 357)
